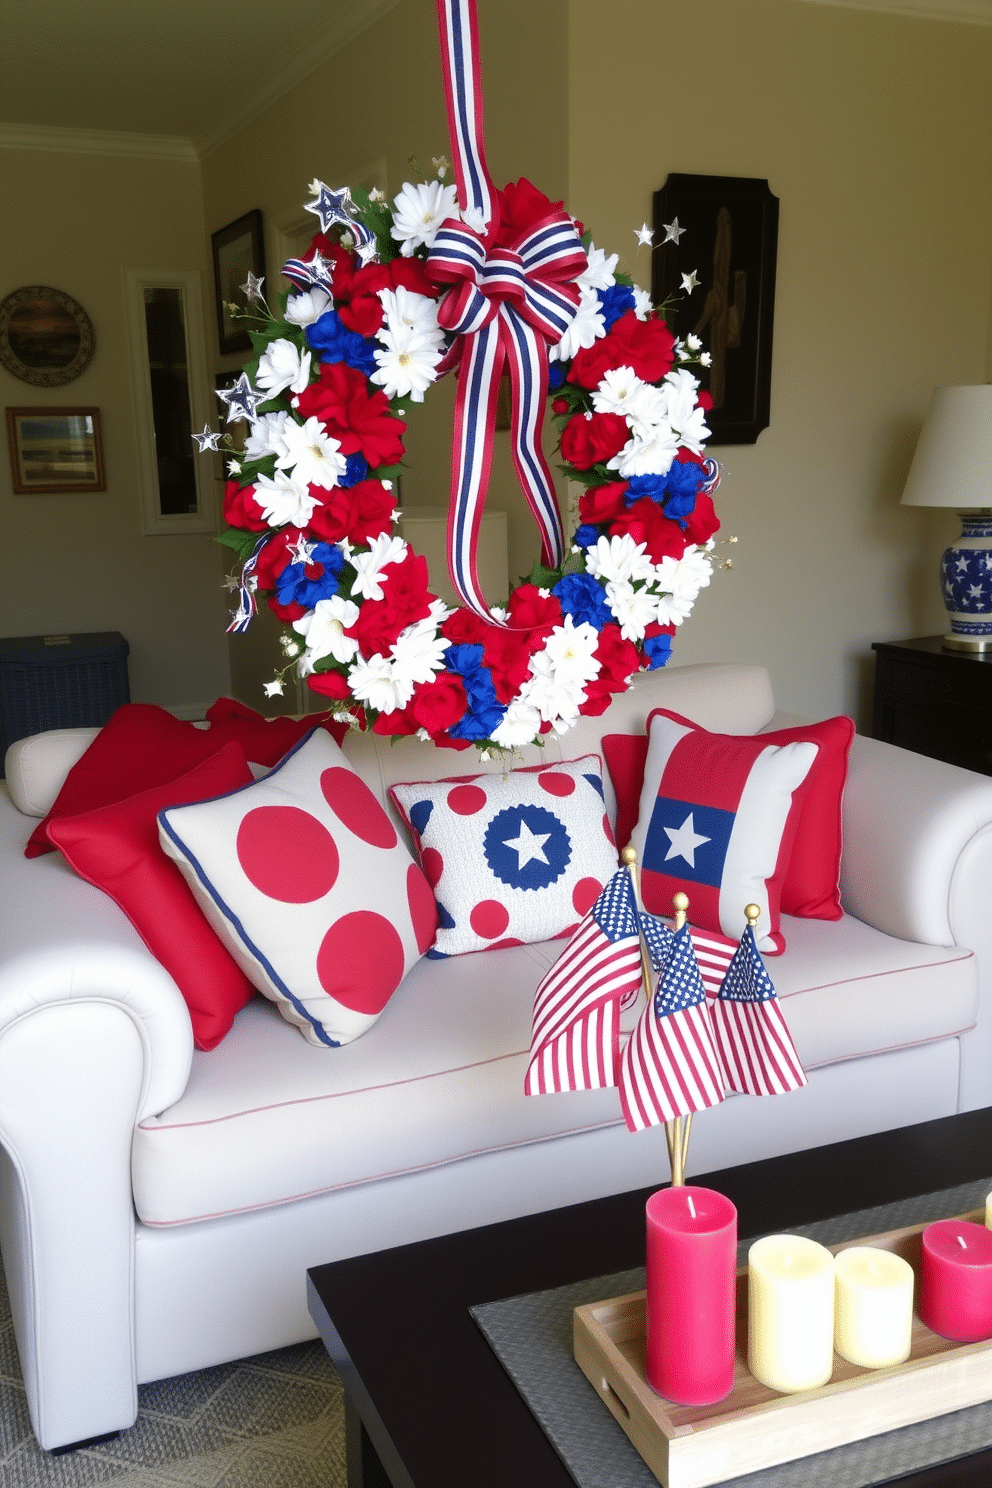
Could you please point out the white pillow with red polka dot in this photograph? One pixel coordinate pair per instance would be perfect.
(305, 880)
(513, 858)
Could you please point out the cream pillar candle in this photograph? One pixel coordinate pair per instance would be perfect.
(790, 1343)
(873, 1307)
(988, 1212)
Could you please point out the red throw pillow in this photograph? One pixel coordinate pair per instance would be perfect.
(116, 848)
(139, 747)
(810, 888)
(264, 740)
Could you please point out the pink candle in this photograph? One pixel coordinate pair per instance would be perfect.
(956, 1280)
(691, 1302)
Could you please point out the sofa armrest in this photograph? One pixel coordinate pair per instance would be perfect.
(94, 1035)
(912, 828)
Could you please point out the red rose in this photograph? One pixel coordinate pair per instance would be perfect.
(439, 704)
(507, 654)
(591, 439)
(521, 207)
(287, 613)
(335, 518)
(463, 628)
(647, 523)
(704, 400)
(529, 610)
(400, 721)
(342, 263)
(241, 509)
(329, 684)
(597, 699)
(364, 314)
(617, 657)
(702, 521)
(645, 345)
(561, 405)
(602, 503)
(405, 599)
(373, 511)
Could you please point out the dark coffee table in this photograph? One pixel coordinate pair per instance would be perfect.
(428, 1405)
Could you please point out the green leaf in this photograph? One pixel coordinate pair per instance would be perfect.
(239, 540)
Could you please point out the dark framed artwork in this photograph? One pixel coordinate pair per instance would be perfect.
(46, 337)
(239, 249)
(723, 229)
(55, 450)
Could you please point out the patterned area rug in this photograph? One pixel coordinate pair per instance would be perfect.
(273, 1421)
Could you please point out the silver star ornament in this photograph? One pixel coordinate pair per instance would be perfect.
(644, 235)
(331, 206)
(242, 400)
(672, 231)
(209, 439)
(252, 287)
(689, 281)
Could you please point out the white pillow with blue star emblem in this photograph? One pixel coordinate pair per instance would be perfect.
(512, 858)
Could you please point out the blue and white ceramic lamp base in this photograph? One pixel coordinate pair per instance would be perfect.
(966, 581)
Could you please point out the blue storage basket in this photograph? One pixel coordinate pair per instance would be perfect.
(60, 681)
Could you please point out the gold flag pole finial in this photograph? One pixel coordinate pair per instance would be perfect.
(752, 913)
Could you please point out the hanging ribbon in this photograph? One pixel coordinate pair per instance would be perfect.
(247, 604)
(506, 304)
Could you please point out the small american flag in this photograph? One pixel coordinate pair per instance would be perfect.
(755, 1047)
(714, 952)
(669, 1066)
(576, 1023)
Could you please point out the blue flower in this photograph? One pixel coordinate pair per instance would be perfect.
(356, 469)
(485, 711)
(657, 649)
(306, 583)
(557, 372)
(582, 597)
(586, 536)
(614, 302)
(331, 338)
(644, 485)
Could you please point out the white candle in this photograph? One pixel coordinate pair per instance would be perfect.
(790, 1343)
(873, 1314)
(988, 1212)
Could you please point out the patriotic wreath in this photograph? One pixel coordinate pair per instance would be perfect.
(384, 302)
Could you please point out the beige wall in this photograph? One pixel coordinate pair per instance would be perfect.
(82, 563)
(372, 107)
(875, 131)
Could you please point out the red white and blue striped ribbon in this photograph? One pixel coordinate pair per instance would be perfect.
(247, 604)
(505, 305)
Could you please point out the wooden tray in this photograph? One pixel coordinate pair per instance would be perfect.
(691, 1446)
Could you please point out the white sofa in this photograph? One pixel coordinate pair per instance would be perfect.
(159, 1206)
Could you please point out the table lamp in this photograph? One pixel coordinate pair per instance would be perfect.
(953, 467)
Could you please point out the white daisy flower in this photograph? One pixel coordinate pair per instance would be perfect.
(374, 682)
(617, 391)
(682, 580)
(281, 366)
(406, 362)
(475, 218)
(312, 454)
(368, 567)
(633, 609)
(559, 672)
(650, 456)
(323, 629)
(642, 303)
(418, 652)
(586, 329)
(265, 434)
(520, 724)
(284, 501)
(619, 560)
(599, 273)
(405, 308)
(303, 309)
(688, 421)
(418, 212)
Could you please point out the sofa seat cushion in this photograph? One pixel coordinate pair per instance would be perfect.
(267, 1118)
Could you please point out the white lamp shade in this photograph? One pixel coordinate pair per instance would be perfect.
(953, 461)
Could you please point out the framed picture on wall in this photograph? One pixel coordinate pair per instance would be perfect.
(720, 233)
(239, 249)
(55, 450)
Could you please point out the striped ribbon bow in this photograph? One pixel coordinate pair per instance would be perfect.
(506, 304)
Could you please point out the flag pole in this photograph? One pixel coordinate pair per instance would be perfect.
(628, 857)
(681, 1125)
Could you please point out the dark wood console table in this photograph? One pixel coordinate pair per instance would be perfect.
(935, 702)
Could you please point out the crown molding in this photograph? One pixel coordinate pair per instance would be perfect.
(97, 142)
(964, 12)
(322, 43)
